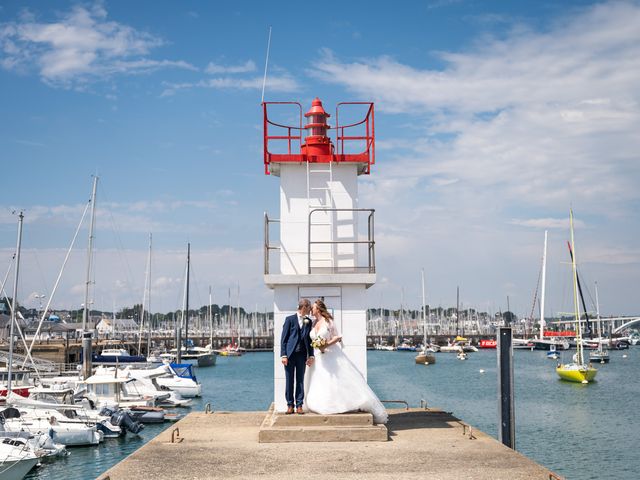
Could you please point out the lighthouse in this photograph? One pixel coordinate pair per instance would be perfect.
(322, 243)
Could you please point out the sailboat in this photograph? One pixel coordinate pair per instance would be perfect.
(202, 357)
(425, 357)
(542, 343)
(551, 344)
(601, 354)
(233, 349)
(577, 371)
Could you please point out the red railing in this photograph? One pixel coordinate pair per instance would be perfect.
(292, 135)
(368, 154)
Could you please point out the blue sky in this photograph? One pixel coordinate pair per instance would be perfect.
(493, 118)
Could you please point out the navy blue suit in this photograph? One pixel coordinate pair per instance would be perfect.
(295, 344)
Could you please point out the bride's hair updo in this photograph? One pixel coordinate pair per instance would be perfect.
(322, 308)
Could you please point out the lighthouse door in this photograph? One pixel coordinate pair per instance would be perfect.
(331, 296)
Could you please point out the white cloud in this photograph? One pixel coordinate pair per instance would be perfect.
(214, 68)
(549, 223)
(538, 118)
(512, 131)
(120, 278)
(281, 83)
(82, 46)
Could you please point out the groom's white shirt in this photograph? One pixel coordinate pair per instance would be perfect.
(300, 320)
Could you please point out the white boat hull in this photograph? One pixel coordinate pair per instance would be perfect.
(17, 469)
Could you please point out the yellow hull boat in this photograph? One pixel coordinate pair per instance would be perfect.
(576, 373)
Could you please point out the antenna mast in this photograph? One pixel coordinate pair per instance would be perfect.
(266, 63)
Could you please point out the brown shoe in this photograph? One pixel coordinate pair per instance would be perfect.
(289, 409)
(299, 411)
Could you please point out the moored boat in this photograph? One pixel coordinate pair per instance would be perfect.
(599, 356)
(114, 356)
(16, 458)
(577, 371)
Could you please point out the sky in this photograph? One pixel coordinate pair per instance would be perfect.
(493, 119)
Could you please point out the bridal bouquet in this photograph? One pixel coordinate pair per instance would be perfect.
(319, 343)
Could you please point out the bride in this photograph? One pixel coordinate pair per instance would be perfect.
(335, 385)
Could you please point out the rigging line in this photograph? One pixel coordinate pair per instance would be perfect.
(266, 63)
(6, 275)
(55, 287)
(120, 246)
(195, 281)
(147, 280)
(22, 337)
(44, 283)
(535, 295)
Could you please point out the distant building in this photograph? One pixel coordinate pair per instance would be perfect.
(109, 326)
(5, 326)
(50, 330)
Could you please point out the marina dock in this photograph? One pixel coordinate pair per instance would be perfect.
(428, 443)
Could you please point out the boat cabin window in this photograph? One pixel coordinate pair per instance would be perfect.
(101, 389)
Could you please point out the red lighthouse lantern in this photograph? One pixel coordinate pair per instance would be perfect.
(317, 142)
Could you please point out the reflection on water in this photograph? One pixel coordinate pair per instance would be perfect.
(576, 430)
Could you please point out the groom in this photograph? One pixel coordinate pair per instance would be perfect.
(297, 353)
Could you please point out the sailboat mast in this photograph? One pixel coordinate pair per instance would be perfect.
(424, 313)
(87, 340)
(14, 302)
(210, 319)
(457, 311)
(229, 313)
(143, 307)
(599, 321)
(580, 360)
(186, 297)
(149, 298)
(544, 278)
(85, 312)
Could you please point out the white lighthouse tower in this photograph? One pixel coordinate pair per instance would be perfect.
(324, 246)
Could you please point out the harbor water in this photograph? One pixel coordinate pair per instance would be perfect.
(578, 431)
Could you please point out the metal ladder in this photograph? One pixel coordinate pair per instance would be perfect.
(320, 180)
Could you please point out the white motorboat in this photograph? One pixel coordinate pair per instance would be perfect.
(63, 403)
(108, 390)
(16, 458)
(550, 343)
(180, 379)
(457, 345)
(522, 344)
(116, 355)
(63, 430)
(146, 383)
(451, 348)
(198, 356)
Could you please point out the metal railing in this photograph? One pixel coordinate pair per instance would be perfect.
(370, 267)
(267, 246)
(18, 359)
(286, 141)
(370, 242)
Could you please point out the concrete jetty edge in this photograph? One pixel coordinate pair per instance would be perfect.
(427, 442)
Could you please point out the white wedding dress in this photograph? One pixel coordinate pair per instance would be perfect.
(335, 385)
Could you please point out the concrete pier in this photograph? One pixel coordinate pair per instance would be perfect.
(421, 444)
